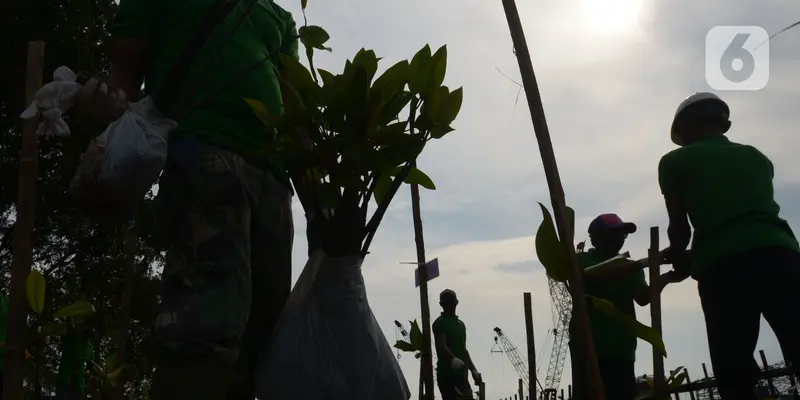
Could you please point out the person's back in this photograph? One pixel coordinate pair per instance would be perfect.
(223, 119)
(744, 257)
(727, 191)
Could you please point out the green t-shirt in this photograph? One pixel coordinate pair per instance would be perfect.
(611, 339)
(455, 332)
(727, 191)
(3, 323)
(225, 120)
(75, 353)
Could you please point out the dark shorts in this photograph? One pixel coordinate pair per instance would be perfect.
(734, 295)
(229, 231)
(617, 373)
(454, 387)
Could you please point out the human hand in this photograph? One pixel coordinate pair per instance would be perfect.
(100, 100)
(457, 364)
(476, 376)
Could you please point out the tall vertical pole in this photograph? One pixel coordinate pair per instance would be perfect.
(22, 248)
(710, 388)
(531, 345)
(520, 389)
(659, 385)
(770, 384)
(419, 238)
(556, 189)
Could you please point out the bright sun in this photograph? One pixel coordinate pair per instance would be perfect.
(611, 17)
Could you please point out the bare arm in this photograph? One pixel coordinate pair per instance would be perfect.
(128, 63)
(441, 346)
(619, 271)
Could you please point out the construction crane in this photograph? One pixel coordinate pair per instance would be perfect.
(562, 312)
(511, 351)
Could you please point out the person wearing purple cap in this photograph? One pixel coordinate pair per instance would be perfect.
(615, 345)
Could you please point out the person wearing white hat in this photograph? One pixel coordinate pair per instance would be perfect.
(744, 256)
(454, 361)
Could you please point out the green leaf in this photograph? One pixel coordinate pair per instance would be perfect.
(645, 395)
(262, 113)
(415, 335)
(641, 330)
(367, 60)
(550, 251)
(328, 195)
(416, 177)
(392, 80)
(382, 188)
(420, 70)
(146, 391)
(437, 132)
(314, 36)
(115, 373)
(438, 67)
(327, 77)
(299, 77)
(35, 286)
(617, 260)
(449, 107)
(393, 107)
(80, 308)
(55, 329)
(402, 345)
(111, 362)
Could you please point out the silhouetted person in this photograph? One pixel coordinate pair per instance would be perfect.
(451, 351)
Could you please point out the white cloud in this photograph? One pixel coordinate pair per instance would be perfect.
(609, 100)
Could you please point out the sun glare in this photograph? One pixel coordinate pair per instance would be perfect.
(611, 17)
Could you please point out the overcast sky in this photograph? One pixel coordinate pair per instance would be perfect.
(611, 73)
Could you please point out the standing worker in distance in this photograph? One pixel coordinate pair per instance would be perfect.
(451, 351)
(224, 197)
(615, 345)
(745, 258)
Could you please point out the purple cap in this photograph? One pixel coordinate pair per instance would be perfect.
(610, 221)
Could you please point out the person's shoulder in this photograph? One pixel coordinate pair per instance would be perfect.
(283, 14)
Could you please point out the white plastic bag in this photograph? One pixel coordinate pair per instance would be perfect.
(121, 165)
(327, 344)
(52, 101)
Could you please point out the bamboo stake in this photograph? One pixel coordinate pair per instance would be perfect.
(123, 335)
(426, 359)
(595, 383)
(659, 385)
(22, 256)
(531, 345)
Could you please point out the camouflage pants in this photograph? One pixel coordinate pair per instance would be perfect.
(227, 275)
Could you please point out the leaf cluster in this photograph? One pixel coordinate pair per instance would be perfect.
(355, 134)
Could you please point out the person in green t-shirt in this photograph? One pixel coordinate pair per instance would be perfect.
(76, 351)
(615, 344)
(744, 256)
(224, 197)
(454, 361)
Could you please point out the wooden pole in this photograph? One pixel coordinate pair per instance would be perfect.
(688, 381)
(123, 335)
(426, 359)
(22, 256)
(710, 388)
(770, 384)
(481, 391)
(520, 389)
(659, 385)
(531, 345)
(565, 229)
